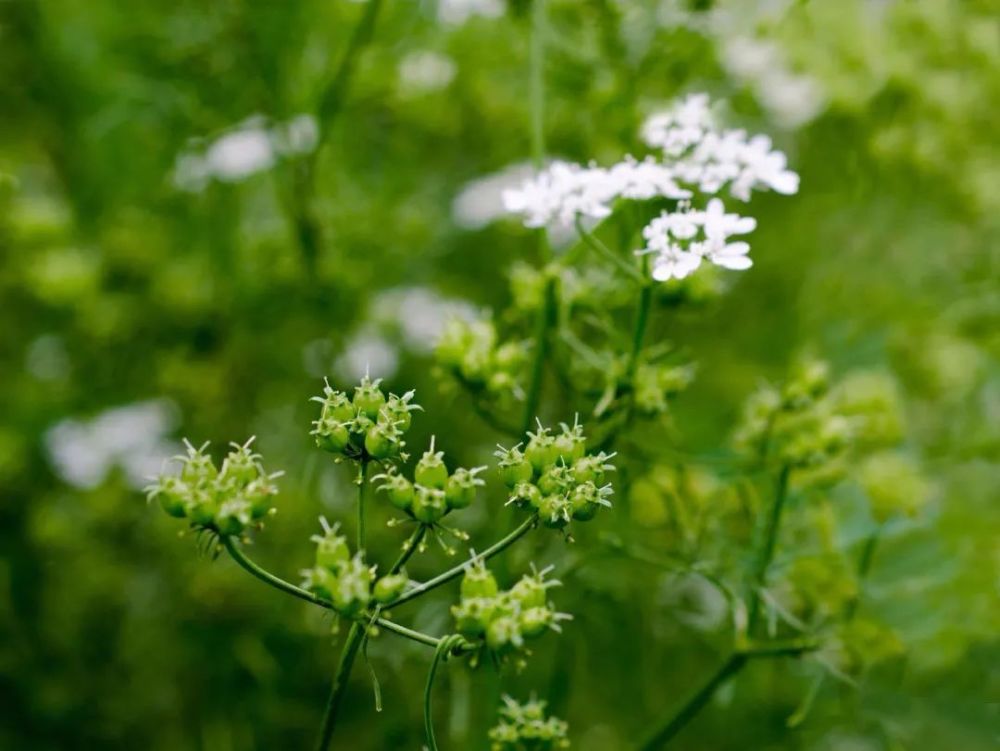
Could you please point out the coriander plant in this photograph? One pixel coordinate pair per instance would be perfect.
(569, 378)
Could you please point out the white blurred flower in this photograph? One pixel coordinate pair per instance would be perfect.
(251, 147)
(457, 12)
(481, 200)
(792, 99)
(419, 314)
(132, 438)
(681, 239)
(367, 353)
(677, 129)
(239, 154)
(425, 70)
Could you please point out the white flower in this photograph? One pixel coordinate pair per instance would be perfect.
(481, 200)
(560, 193)
(132, 437)
(681, 239)
(695, 153)
(457, 12)
(679, 128)
(245, 150)
(644, 180)
(674, 263)
(425, 70)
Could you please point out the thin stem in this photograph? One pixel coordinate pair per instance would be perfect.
(603, 250)
(547, 318)
(266, 576)
(864, 566)
(409, 633)
(339, 687)
(537, 82)
(409, 548)
(439, 654)
(687, 712)
(456, 571)
(362, 476)
(303, 594)
(733, 665)
(639, 331)
(331, 102)
(767, 553)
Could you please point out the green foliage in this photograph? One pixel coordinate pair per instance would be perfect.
(127, 276)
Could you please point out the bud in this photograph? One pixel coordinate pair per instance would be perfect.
(460, 490)
(388, 588)
(514, 468)
(478, 581)
(503, 635)
(541, 451)
(368, 398)
(429, 504)
(382, 440)
(172, 494)
(399, 490)
(332, 552)
(473, 615)
(332, 435)
(431, 471)
(527, 495)
(233, 516)
(397, 410)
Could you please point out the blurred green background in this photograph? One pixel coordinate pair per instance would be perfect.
(168, 269)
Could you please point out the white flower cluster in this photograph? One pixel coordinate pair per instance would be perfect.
(683, 238)
(253, 146)
(564, 191)
(696, 156)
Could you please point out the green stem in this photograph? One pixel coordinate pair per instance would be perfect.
(303, 594)
(687, 712)
(864, 566)
(409, 548)
(639, 332)
(266, 576)
(339, 687)
(331, 101)
(428, 719)
(362, 476)
(537, 82)
(547, 318)
(409, 633)
(456, 571)
(603, 250)
(767, 553)
(733, 665)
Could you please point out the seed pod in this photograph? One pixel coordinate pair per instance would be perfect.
(473, 616)
(431, 471)
(527, 495)
(332, 435)
(534, 622)
(541, 451)
(368, 398)
(400, 491)
(429, 504)
(388, 588)
(460, 490)
(382, 440)
(478, 582)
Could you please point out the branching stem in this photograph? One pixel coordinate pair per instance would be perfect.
(456, 571)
